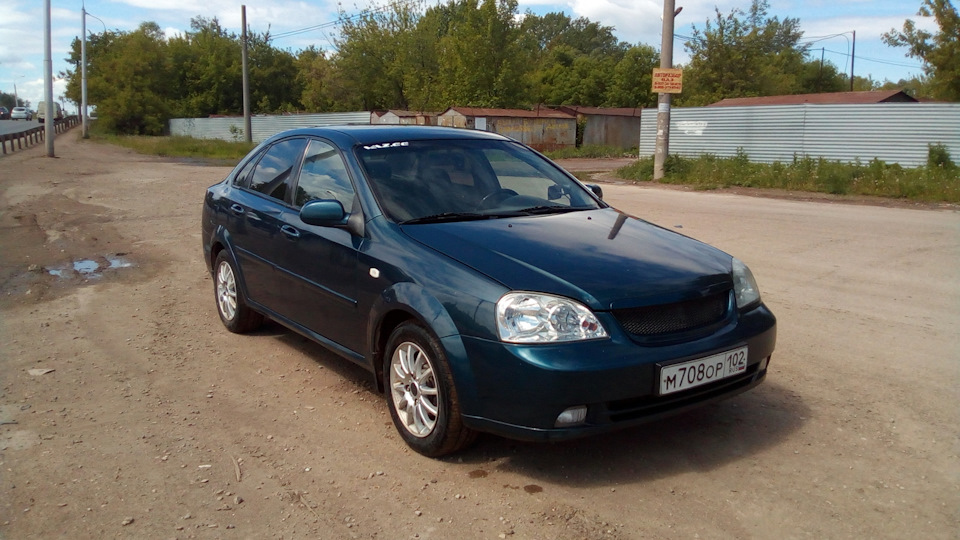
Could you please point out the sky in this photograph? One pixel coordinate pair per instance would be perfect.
(634, 21)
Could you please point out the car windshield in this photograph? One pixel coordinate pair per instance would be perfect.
(452, 180)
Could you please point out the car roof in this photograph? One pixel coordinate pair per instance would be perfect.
(347, 136)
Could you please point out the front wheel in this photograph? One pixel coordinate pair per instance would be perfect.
(421, 396)
(231, 305)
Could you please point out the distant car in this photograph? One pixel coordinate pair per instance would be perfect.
(4, 113)
(42, 111)
(21, 113)
(484, 288)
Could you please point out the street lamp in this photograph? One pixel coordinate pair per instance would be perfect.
(16, 97)
(84, 117)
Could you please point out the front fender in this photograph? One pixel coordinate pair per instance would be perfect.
(406, 300)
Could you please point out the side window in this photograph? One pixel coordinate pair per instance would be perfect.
(242, 179)
(273, 173)
(323, 176)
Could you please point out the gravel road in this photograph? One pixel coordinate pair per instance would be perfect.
(128, 411)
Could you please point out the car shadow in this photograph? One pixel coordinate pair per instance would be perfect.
(699, 440)
(321, 355)
(702, 439)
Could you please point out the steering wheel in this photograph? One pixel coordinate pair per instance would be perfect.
(496, 198)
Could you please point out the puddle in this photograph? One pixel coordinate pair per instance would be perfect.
(85, 266)
(90, 268)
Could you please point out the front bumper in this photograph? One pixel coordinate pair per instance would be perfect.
(518, 391)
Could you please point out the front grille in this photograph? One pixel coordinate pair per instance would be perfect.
(671, 318)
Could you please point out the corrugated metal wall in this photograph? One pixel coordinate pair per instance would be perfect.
(540, 133)
(622, 131)
(262, 127)
(892, 132)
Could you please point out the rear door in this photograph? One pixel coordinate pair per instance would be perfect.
(256, 219)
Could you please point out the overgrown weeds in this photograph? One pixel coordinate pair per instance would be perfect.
(589, 151)
(938, 181)
(180, 147)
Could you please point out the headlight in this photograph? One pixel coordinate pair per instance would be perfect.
(744, 285)
(524, 317)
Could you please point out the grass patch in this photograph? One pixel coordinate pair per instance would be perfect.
(589, 151)
(938, 181)
(180, 147)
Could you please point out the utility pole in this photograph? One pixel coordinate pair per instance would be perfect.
(853, 55)
(83, 73)
(664, 98)
(247, 135)
(48, 120)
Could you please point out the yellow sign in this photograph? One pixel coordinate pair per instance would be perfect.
(667, 81)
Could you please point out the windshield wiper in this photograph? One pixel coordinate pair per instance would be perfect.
(446, 216)
(548, 209)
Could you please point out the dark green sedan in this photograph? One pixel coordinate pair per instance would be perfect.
(483, 287)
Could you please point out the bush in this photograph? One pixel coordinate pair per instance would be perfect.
(936, 182)
(939, 157)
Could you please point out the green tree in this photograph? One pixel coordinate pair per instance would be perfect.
(371, 55)
(481, 61)
(207, 67)
(573, 60)
(940, 51)
(631, 85)
(314, 74)
(273, 76)
(8, 100)
(132, 82)
(744, 54)
(865, 84)
(818, 76)
(915, 86)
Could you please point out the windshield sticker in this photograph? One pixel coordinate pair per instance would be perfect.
(386, 145)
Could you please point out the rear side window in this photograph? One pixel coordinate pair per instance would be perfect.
(273, 173)
(242, 179)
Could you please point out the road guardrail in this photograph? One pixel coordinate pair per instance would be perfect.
(35, 135)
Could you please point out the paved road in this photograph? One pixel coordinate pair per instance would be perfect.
(15, 126)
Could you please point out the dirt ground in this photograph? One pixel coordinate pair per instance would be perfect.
(128, 411)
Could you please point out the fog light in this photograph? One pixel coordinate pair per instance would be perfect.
(572, 416)
(763, 364)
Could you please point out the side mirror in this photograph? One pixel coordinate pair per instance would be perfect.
(323, 213)
(554, 192)
(597, 190)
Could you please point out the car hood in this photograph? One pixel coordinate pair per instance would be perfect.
(604, 258)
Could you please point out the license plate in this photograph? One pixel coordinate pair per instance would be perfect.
(677, 377)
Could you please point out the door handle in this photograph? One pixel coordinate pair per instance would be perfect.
(236, 208)
(292, 232)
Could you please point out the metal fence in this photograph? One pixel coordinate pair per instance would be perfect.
(891, 132)
(261, 127)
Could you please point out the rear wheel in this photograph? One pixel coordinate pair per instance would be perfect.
(231, 305)
(422, 398)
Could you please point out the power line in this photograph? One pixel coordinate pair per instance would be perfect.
(879, 61)
(339, 20)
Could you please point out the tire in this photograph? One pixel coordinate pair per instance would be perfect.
(231, 305)
(421, 395)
